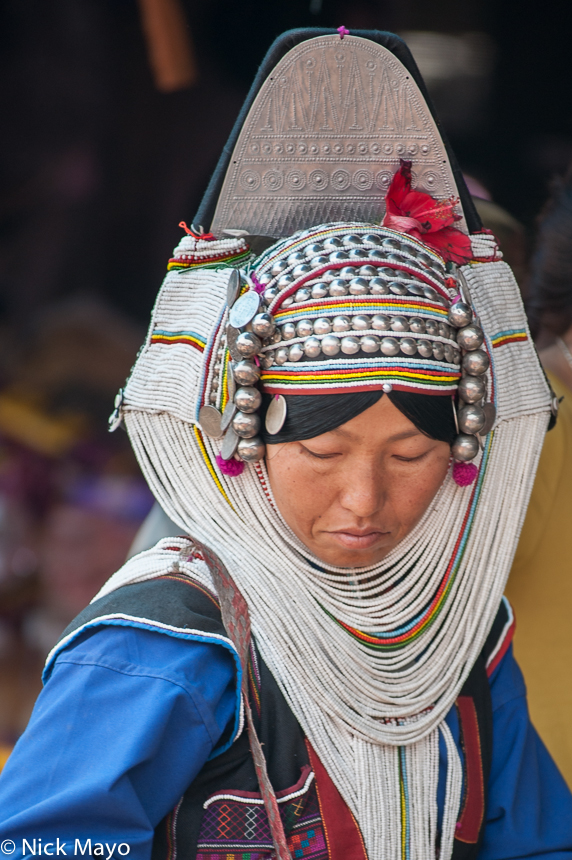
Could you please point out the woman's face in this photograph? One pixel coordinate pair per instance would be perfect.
(352, 494)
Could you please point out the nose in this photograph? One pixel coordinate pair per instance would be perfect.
(363, 490)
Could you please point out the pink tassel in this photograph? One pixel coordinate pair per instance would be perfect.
(257, 285)
(231, 467)
(464, 473)
(343, 31)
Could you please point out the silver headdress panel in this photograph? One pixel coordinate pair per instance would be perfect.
(323, 138)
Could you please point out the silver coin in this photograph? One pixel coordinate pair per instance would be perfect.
(232, 335)
(227, 416)
(210, 421)
(276, 415)
(490, 415)
(230, 383)
(233, 288)
(229, 444)
(244, 309)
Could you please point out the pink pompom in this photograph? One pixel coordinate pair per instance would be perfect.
(464, 473)
(231, 467)
(256, 284)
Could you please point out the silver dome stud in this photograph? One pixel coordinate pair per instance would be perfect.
(352, 239)
(278, 267)
(449, 353)
(347, 272)
(295, 352)
(378, 287)
(267, 359)
(430, 293)
(322, 326)
(341, 324)
(284, 281)
(476, 363)
(301, 269)
(313, 250)
(359, 287)
(471, 418)
(270, 294)
(281, 355)
(415, 289)
(350, 345)
(367, 271)
(359, 254)
(288, 301)
(438, 350)
(338, 287)
(288, 331)
(320, 291)
(408, 346)
(380, 322)
(302, 295)
(432, 327)
(251, 450)
(248, 344)
(338, 257)
(471, 337)
(399, 324)
(332, 242)
(312, 347)
(369, 343)
(263, 325)
(246, 425)
(425, 348)
(472, 389)
(460, 315)
(389, 346)
(391, 244)
(417, 325)
(398, 289)
(361, 323)
(296, 257)
(371, 239)
(465, 447)
(330, 345)
(248, 399)
(305, 328)
(246, 373)
(264, 279)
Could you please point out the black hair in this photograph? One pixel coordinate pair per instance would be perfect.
(313, 414)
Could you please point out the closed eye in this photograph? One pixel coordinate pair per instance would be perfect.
(319, 456)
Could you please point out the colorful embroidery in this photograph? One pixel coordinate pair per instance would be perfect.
(235, 824)
(510, 336)
(190, 338)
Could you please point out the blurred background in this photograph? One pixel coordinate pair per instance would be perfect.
(114, 113)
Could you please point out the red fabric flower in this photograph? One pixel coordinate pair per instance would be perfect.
(425, 218)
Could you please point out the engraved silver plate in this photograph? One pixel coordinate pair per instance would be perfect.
(244, 309)
(490, 416)
(229, 444)
(276, 415)
(232, 335)
(323, 139)
(210, 421)
(227, 415)
(233, 288)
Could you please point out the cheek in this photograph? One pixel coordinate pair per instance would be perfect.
(301, 493)
(415, 491)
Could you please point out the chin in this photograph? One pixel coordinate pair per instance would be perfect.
(344, 557)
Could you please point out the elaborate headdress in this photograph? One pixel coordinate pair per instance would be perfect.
(349, 297)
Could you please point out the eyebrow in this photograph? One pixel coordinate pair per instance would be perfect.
(407, 434)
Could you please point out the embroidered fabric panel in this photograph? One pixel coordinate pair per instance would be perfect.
(235, 826)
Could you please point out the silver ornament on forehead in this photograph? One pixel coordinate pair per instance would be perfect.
(322, 140)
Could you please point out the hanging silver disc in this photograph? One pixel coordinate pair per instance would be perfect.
(244, 309)
(233, 288)
(227, 415)
(230, 383)
(232, 335)
(210, 421)
(490, 414)
(276, 415)
(229, 444)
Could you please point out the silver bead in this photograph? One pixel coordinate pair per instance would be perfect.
(371, 239)
(460, 315)
(267, 359)
(332, 242)
(246, 424)
(338, 287)
(380, 322)
(359, 287)
(352, 239)
(263, 325)
(465, 448)
(414, 289)
(312, 347)
(456, 357)
(288, 331)
(389, 346)
(212, 397)
(444, 330)
(330, 345)
(359, 254)
(425, 348)
(470, 337)
(386, 272)
(367, 271)
(250, 450)
(471, 419)
(476, 363)
(302, 295)
(417, 325)
(369, 343)
(329, 275)
(246, 373)
(350, 345)
(288, 301)
(395, 258)
(248, 399)
(284, 281)
(320, 261)
(341, 324)
(301, 269)
(264, 279)
(378, 287)
(338, 257)
(313, 250)
(270, 294)
(295, 352)
(276, 336)
(278, 267)
(432, 327)
(214, 384)
(408, 346)
(377, 254)
(361, 323)
(398, 289)
(399, 324)
(320, 291)
(391, 244)
(305, 328)
(247, 344)
(438, 350)
(449, 353)
(430, 293)
(472, 389)
(322, 326)
(347, 272)
(426, 260)
(281, 355)
(296, 257)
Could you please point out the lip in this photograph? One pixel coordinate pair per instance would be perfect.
(358, 539)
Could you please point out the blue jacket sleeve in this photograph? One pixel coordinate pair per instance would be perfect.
(124, 724)
(529, 810)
